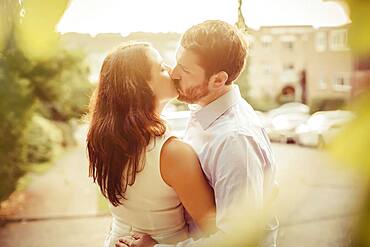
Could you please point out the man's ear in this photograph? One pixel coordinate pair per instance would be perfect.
(219, 79)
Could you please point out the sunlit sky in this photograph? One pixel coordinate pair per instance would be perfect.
(125, 16)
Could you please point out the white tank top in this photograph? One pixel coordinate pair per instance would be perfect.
(151, 206)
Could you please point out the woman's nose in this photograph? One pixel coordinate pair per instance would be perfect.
(168, 68)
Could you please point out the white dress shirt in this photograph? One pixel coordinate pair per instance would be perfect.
(235, 155)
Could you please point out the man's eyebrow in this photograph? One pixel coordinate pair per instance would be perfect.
(182, 66)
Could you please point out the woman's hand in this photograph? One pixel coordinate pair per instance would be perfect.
(136, 239)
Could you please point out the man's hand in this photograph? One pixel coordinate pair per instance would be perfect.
(136, 240)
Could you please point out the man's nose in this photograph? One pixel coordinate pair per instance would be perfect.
(174, 75)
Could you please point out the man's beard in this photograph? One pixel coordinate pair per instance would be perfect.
(194, 94)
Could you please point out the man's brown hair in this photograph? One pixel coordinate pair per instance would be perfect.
(219, 46)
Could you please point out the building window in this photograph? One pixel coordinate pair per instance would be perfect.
(288, 45)
(323, 85)
(266, 41)
(341, 82)
(321, 41)
(288, 66)
(304, 37)
(339, 40)
(287, 41)
(266, 69)
(266, 44)
(250, 42)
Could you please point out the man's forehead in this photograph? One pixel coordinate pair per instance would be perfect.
(179, 51)
(186, 55)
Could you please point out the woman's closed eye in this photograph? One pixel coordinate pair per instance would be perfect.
(164, 67)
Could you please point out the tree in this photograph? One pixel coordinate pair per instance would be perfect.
(241, 21)
(243, 78)
(16, 103)
(351, 145)
(36, 75)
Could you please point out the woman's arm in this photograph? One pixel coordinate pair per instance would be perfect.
(180, 169)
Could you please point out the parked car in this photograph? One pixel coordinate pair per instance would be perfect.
(177, 121)
(265, 121)
(321, 127)
(284, 120)
(292, 107)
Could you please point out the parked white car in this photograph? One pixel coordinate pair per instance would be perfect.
(293, 107)
(265, 121)
(321, 127)
(177, 121)
(284, 120)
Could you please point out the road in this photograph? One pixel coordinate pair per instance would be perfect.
(316, 204)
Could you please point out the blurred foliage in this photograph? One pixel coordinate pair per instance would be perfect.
(240, 23)
(8, 9)
(263, 103)
(61, 86)
(16, 109)
(266, 102)
(37, 76)
(243, 82)
(327, 104)
(180, 106)
(44, 140)
(352, 146)
(359, 35)
(67, 129)
(102, 202)
(35, 33)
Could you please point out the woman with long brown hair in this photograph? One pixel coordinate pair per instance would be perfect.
(148, 175)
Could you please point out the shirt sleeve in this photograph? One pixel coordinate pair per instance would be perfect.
(238, 185)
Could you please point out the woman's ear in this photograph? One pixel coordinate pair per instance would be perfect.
(219, 79)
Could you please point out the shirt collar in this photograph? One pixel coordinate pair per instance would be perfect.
(208, 114)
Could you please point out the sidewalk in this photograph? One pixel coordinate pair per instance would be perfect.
(318, 200)
(65, 190)
(316, 203)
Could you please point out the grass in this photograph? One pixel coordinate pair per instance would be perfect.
(103, 203)
(32, 170)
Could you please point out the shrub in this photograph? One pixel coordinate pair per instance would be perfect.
(327, 104)
(44, 140)
(44, 79)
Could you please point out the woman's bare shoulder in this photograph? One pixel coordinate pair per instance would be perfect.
(174, 148)
(177, 159)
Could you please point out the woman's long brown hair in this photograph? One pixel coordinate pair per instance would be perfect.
(123, 120)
